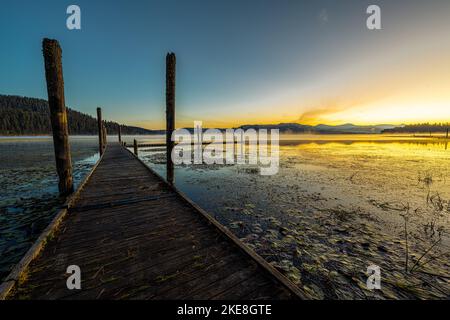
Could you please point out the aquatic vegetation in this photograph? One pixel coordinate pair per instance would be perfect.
(334, 209)
(29, 193)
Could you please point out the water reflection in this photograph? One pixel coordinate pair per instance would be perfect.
(337, 205)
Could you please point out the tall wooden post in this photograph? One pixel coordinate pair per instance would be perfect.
(100, 130)
(170, 112)
(120, 133)
(446, 136)
(135, 147)
(58, 114)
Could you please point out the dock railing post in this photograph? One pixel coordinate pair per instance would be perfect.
(170, 113)
(100, 130)
(120, 134)
(58, 114)
(135, 147)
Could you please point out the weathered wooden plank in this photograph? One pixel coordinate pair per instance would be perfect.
(120, 272)
(157, 272)
(142, 248)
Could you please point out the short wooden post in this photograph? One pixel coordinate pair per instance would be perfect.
(100, 130)
(104, 137)
(58, 114)
(135, 147)
(446, 136)
(119, 133)
(170, 113)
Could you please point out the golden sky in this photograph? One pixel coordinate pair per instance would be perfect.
(344, 73)
(399, 76)
(240, 62)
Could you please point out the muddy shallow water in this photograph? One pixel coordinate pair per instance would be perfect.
(338, 205)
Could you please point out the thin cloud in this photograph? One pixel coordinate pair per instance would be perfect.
(323, 16)
(317, 116)
(322, 112)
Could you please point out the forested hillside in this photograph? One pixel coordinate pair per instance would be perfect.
(30, 116)
(420, 127)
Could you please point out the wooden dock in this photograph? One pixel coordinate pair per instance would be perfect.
(134, 236)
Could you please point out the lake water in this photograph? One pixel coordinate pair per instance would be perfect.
(29, 189)
(337, 205)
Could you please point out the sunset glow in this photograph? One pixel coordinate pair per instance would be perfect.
(309, 63)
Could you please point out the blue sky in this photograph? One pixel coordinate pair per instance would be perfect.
(237, 61)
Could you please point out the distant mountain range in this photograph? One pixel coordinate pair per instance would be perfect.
(323, 128)
(30, 116)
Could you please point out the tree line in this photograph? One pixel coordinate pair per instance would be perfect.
(420, 127)
(31, 116)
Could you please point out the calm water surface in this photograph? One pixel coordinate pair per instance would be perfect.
(337, 205)
(29, 189)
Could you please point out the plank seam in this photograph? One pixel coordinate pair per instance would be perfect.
(270, 270)
(119, 203)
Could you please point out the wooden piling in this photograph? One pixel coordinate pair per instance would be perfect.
(58, 114)
(104, 137)
(135, 147)
(93, 223)
(100, 130)
(119, 130)
(170, 113)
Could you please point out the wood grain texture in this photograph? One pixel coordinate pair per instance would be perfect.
(58, 114)
(134, 237)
